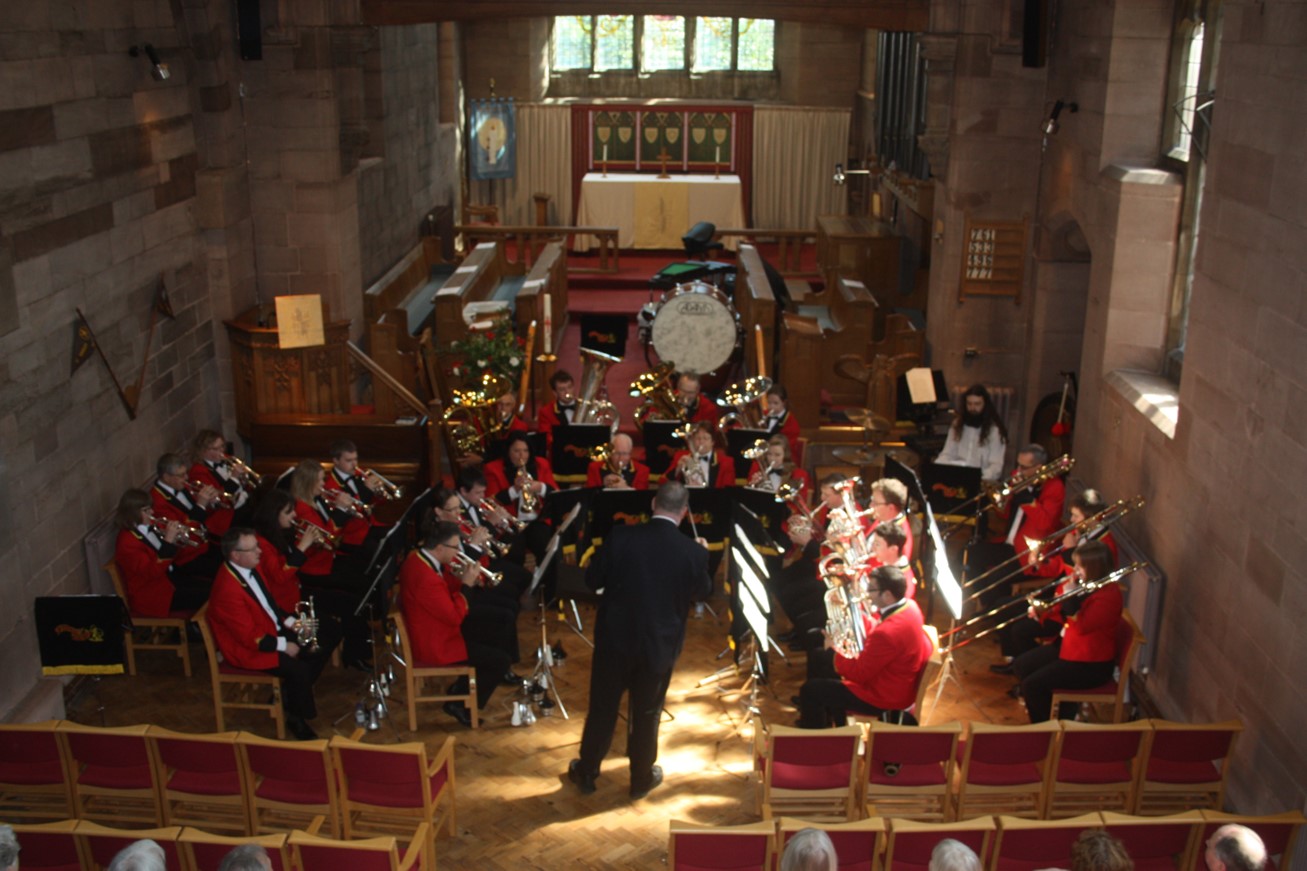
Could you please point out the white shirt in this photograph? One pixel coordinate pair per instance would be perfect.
(966, 450)
(261, 597)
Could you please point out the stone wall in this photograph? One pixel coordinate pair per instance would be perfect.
(98, 167)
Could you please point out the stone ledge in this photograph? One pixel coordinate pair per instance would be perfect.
(1156, 398)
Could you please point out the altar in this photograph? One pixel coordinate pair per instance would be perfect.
(652, 212)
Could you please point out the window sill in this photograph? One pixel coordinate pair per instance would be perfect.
(1156, 398)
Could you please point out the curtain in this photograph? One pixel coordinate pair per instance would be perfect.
(544, 148)
(794, 155)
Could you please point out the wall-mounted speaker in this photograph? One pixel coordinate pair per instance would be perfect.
(1034, 34)
(249, 29)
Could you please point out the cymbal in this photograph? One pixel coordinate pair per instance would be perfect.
(867, 456)
(868, 420)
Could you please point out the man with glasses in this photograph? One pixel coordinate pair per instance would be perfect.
(254, 633)
(435, 610)
(883, 677)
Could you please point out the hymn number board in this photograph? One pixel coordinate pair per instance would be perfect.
(993, 259)
(641, 140)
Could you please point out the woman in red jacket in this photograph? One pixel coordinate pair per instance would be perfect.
(324, 566)
(144, 555)
(708, 466)
(1085, 656)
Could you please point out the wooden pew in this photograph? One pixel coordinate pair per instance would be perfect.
(483, 275)
(409, 287)
(845, 327)
(548, 275)
(756, 303)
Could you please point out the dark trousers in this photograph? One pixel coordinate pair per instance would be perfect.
(824, 701)
(1024, 634)
(490, 664)
(613, 674)
(492, 625)
(189, 594)
(1042, 671)
(298, 674)
(339, 606)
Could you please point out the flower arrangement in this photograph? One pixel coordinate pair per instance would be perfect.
(496, 349)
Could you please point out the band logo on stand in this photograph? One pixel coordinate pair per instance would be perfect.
(80, 634)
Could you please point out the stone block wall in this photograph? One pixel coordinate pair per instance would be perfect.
(98, 170)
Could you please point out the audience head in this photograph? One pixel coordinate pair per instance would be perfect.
(1096, 850)
(1234, 848)
(809, 850)
(672, 500)
(246, 857)
(129, 513)
(139, 856)
(8, 849)
(951, 855)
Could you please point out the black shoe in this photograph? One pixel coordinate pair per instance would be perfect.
(359, 664)
(1002, 668)
(583, 782)
(510, 680)
(458, 711)
(655, 778)
(300, 728)
(1015, 692)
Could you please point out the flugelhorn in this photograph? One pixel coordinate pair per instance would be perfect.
(485, 577)
(743, 396)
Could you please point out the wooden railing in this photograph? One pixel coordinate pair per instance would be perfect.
(522, 244)
(790, 246)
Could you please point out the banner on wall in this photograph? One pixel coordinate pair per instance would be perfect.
(493, 134)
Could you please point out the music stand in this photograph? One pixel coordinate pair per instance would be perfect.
(544, 670)
(83, 635)
(660, 445)
(570, 455)
(737, 441)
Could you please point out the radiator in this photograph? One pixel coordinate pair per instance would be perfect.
(1004, 399)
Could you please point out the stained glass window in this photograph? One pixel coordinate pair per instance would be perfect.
(712, 44)
(757, 45)
(614, 42)
(662, 43)
(572, 42)
(608, 42)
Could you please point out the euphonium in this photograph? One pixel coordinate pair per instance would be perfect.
(844, 600)
(306, 625)
(473, 414)
(485, 577)
(659, 398)
(743, 396)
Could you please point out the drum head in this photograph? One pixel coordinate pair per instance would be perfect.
(695, 328)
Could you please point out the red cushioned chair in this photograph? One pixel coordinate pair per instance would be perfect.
(34, 781)
(417, 675)
(1029, 845)
(1277, 831)
(909, 770)
(910, 843)
(858, 845)
(201, 780)
(1097, 767)
(49, 846)
(113, 775)
(1128, 639)
(721, 848)
(1187, 767)
(162, 634)
(1004, 769)
(287, 784)
(1156, 843)
(388, 790)
(101, 843)
(313, 853)
(202, 851)
(237, 687)
(811, 773)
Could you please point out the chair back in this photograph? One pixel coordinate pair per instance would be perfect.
(1101, 744)
(109, 757)
(913, 745)
(33, 773)
(1183, 744)
(721, 848)
(1028, 845)
(1128, 637)
(1009, 745)
(49, 846)
(205, 763)
(910, 843)
(394, 776)
(812, 759)
(101, 843)
(857, 844)
(203, 851)
(283, 771)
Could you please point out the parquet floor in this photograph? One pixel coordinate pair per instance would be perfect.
(516, 809)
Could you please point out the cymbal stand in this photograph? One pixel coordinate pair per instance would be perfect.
(543, 676)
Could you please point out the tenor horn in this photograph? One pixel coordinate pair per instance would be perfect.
(743, 397)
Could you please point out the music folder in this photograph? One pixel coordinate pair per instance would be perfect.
(660, 445)
(570, 456)
(737, 441)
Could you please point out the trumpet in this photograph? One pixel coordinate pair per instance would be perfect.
(242, 469)
(490, 508)
(189, 536)
(306, 625)
(321, 537)
(356, 507)
(225, 500)
(485, 577)
(387, 490)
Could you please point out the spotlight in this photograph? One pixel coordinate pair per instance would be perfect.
(1050, 126)
(158, 71)
(842, 174)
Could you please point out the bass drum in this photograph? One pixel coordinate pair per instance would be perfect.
(696, 327)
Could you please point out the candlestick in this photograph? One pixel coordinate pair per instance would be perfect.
(605, 152)
(718, 158)
(549, 324)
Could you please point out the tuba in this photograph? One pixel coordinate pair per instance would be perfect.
(658, 397)
(743, 396)
(590, 406)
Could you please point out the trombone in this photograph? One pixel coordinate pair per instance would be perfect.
(485, 577)
(997, 496)
(1083, 589)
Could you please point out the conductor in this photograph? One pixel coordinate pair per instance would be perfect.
(649, 574)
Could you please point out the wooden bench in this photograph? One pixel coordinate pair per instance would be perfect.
(484, 275)
(409, 287)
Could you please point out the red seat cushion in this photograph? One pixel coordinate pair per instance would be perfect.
(116, 777)
(908, 775)
(984, 774)
(206, 782)
(1075, 771)
(788, 775)
(1166, 771)
(296, 791)
(31, 773)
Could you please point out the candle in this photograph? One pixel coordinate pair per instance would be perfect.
(718, 159)
(549, 319)
(605, 152)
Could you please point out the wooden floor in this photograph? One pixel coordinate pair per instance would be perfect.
(516, 808)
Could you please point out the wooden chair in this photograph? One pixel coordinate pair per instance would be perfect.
(1128, 639)
(1156, 843)
(310, 852)
(288, 784)
(201, 780)
(1029, 845)
(237, 687)
(909, 771)
(1004, 769)
(416, 675)
(202, 851)
(1097, 768)
(1277, 831)
(858, 844)
(929, 672)
(100, 844)
(34, 780)
(1187, 767)
(811, 773)
(749, 847)
(162, 634)
(112, 773)
(390, 789)
(49, 846)
(910, 843)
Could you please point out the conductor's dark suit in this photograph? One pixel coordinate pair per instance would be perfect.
(649, 575)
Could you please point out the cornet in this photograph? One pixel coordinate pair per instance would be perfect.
(321, 538)
(485, 577)
(225, 499)
(306, 625)
(242, 470)
(387, 490)
(530, 499)
(489, 509)
(356, 507)
(189, 536)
